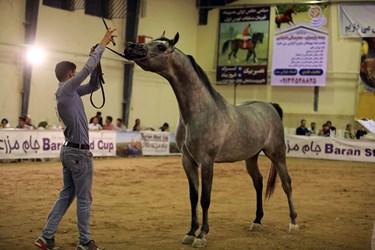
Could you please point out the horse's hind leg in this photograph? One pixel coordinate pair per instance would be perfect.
(191, 170)
(277, 156)
(256, 176)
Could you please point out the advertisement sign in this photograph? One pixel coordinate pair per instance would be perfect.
(300, 46)
(154, 143)
(357, 20)
(317, 147)
(32, 144)
(243, 46)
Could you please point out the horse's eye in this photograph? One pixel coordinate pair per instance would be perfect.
(161, 47)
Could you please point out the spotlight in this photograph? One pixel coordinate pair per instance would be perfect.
(35, 55)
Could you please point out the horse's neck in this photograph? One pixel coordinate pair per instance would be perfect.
(192, 96)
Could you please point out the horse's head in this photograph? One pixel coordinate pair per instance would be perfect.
(290, 11)
(258, 37)
(151, 56)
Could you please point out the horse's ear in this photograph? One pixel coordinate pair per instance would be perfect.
(163, 35)
(176, 37)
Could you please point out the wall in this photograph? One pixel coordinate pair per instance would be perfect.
(69, 36)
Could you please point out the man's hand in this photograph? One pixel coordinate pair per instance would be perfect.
(108, 37)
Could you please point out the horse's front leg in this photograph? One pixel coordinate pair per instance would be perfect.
(248, 55)
(191, 170)
(206, 176)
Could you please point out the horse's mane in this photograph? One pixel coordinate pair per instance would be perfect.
(202, 75)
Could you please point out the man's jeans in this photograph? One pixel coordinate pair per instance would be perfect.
(77, 177)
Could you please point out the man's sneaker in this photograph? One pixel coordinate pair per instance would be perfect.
(89, 246)
(46, 244)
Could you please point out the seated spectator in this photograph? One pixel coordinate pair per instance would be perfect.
(29, 122)
(302, 130)
(331, 128)
(5, 123)
(95, 124)
(22, 123)
(42, 125)
(165, 127)
(108, 124)
(120, 125)
(312, 129)
(324, 131)
(137, 126)
(348, 134)
(360, 132)
(100, 118)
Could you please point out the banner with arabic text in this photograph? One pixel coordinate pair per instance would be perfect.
(357, 20)
(154, 143)
(33, 144)
(300, 46)
(330, 148)
(243, 46)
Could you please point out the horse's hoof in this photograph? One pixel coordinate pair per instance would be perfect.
(198, 242)
(256, 227)
(188, 239)
(293, 228)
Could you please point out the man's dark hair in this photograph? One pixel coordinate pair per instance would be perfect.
(110, 118)
(63, 68)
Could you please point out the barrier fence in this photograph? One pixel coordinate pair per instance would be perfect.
(35, 144)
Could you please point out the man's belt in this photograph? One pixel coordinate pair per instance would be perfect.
(75, 145)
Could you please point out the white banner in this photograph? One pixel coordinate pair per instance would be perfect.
(154, 143)
(357, 20)
(31, 144)
(300, 51)
(331, 148)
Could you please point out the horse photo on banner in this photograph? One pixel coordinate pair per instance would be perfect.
(366, 100)
(300, 45)
(243, 46)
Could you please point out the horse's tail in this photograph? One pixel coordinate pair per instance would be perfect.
(271, 182)
(225, 46)
(278, 109)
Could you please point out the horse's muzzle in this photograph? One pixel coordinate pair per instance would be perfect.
(135, 51)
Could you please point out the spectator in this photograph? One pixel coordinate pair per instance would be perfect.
(331, 128)
(5, 123)
(120, 125)
(324, 131)
(100, 118)
(94, 125)
(22, 123)
(165, 127)
(360, 132)
(29, 122)
(137, 126)
(42, 125)
(108, 124)
(348, 134)
(312, 128)
(302, 130)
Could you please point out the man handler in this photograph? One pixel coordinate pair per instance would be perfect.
(75, 155)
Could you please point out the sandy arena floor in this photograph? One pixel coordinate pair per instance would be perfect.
(143, 203)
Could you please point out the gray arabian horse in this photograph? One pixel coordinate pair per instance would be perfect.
(210, 131)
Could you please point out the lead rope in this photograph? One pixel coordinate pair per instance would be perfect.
(99, 77)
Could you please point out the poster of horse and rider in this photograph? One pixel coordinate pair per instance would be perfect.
(243, 44)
